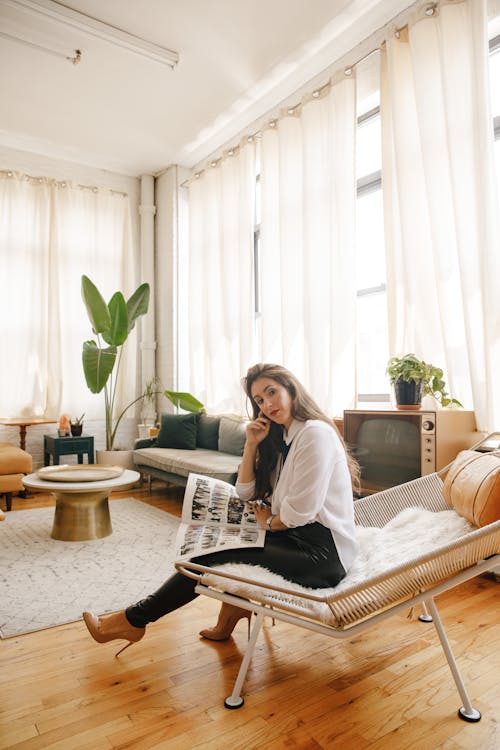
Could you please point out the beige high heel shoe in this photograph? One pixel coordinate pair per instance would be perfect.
(112, 627)
(229, 615)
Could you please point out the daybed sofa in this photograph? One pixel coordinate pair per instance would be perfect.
(198, 443)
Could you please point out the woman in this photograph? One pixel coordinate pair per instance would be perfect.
(295, 463)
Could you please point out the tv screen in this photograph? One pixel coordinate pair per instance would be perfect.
(388, 451)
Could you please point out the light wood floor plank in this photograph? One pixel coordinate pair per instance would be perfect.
(387, 687)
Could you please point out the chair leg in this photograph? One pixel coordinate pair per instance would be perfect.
(235, 700)
(466, 712)
(8, 500)
(425, 616)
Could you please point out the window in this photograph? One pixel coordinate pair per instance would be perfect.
(372, 349)
(50, 234)
(495, 101)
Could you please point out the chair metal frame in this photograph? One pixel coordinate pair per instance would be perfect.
(358, 607)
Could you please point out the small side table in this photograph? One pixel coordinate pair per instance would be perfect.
(63, 446)
(82, 509)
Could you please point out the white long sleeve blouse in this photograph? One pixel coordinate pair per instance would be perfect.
(314, 485)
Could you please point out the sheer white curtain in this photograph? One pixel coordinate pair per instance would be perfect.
(51, 234)
(439, 195)
(307, 245)
(221, 281)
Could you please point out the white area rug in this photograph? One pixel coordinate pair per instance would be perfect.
(44, 582)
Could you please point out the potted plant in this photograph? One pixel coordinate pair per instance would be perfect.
(76, 426)
(111, 323)
(185, 401)
(179, 399)
(413, 378)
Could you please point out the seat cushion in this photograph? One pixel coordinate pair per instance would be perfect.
(472, 487)
(183, 462)
(14, 460)
(11, 483)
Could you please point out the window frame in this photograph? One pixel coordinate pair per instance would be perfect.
(370, 183)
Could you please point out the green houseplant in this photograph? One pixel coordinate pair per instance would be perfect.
(414, 378)
(111, 324)
(185, 401)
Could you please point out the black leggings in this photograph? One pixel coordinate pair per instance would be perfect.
(306, 555)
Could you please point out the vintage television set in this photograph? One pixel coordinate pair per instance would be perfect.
(394, 447)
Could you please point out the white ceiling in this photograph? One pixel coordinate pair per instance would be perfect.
(119, 111)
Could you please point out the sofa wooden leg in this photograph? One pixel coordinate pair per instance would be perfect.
(8, 500)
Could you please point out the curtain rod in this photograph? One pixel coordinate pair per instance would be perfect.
(289, 110)
(428, 10)
(59, 183)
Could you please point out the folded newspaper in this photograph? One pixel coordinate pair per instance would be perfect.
(214, 518)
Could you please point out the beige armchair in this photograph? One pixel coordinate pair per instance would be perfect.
(14, 464)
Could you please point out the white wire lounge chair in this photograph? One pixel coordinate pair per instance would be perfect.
(358, 606)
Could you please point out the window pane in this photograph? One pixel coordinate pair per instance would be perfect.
(495, 83)
(257, 201)
(368, 83)
(497, 167)
(368, 147)
(372, 344)
(370, 252)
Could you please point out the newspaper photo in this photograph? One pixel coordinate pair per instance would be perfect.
(214, 518)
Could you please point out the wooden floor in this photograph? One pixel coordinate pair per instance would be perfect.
(388, 687)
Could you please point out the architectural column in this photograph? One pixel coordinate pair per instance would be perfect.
(147, 210)
(171, 300)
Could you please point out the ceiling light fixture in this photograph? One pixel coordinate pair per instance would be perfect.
(75, 59)
(112, 34)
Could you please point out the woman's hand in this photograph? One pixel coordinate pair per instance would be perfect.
(258, 430)
(261, 513)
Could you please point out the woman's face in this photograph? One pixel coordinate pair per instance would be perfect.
(273, 400)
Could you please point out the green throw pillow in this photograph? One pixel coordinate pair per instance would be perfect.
(208, 432)
(178, 431)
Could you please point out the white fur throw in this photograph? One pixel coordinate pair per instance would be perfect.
(412, 533)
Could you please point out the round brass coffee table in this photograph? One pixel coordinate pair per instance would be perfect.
(82, 510)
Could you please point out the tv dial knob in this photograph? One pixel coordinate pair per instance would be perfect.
(427, 425)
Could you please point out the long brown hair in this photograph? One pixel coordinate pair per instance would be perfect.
(303, 407)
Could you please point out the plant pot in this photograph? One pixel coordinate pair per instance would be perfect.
(116, 458)
(408, 395)
(76, 429)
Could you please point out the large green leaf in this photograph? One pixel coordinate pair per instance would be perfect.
(137, 304)
(97, 365)
(97, 309)
(118, 331)
(184, 401)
